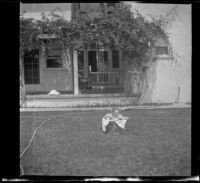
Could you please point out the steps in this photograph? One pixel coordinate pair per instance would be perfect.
(85, 100)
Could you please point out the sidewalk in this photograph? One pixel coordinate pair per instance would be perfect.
(74, 101)
(71, 102)
(35, 109)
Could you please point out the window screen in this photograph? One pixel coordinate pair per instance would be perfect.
(115, 59)
(113, 5)
(31, 67)
(161, 50)
(54, 58)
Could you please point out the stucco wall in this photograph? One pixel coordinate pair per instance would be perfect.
(171, 74)
(180, 39)
(166, 76)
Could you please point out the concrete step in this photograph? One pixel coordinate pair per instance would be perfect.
(72, 96)
(81, 101)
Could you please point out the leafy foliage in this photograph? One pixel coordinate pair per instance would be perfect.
(121, 29)
(28, 34)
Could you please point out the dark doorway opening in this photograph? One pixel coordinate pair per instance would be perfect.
(92, 61)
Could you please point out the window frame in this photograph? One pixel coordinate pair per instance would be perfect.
(162, 55)
(34, 69)
(119, 65)
(52, 57)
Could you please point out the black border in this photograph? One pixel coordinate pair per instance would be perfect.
(10, 52)
(10, 86)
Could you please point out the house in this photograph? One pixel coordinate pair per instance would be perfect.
(45, 70)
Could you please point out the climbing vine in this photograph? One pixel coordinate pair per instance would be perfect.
(123, 29)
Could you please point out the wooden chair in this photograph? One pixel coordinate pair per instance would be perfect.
(84, 82)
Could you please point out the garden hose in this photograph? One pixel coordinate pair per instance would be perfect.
(29, 145)
(75, 117)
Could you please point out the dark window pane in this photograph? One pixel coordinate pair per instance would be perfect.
(31, 67)
(28, 61)
(28, 66)
(105, 54)
(54, 58)
(115, 59)
(161, 50)
(54, 63)
(36, 80)
(34, 61)
(80, 60)
(28, 80)
(35, 66)
(36, 73)
(113, 5)
(28, 73)
(27, 70)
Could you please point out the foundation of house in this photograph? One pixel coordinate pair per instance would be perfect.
(81, 100)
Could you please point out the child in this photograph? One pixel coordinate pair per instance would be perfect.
(111, 118)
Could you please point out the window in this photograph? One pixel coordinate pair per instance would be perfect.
(79, 6)
(83, 13)
(162, 50)
(54, 58)
(101, 5)
(115, 59)
(103, 61)
(100, 64)
(113, 5)
(31, 67)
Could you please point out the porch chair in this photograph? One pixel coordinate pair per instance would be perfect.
(84, 82)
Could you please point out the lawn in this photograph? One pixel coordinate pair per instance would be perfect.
(157, 143)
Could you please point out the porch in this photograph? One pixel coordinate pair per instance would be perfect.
(95, 73)
(90, 73)
(100, 82)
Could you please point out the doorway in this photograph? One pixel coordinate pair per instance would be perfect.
(92, 61)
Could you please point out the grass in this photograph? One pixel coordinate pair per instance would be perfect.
(77, 147)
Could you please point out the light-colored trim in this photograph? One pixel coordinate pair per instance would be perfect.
(47, 36)
(51, 69)
(75, 64)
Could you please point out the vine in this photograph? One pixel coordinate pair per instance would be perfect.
(122, 29)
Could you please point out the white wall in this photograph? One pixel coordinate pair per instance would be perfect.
(171, 75)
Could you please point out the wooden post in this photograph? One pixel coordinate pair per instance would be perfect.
(75, 64)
